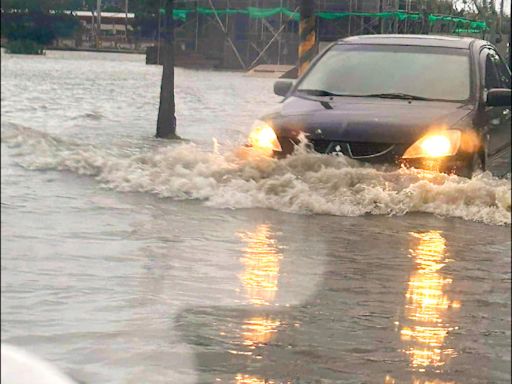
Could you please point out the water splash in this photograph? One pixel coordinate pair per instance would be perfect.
(306, 183)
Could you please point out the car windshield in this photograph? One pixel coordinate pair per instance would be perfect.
(391, 71)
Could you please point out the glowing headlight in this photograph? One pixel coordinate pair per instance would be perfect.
(436, 144)
(263, 137)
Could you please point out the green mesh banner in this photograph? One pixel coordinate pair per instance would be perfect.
(258, 13)
(180, 14)
(464, 31)
(384, 15)
(269, 12)
(209, 11)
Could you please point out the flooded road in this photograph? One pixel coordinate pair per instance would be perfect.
(129, 260)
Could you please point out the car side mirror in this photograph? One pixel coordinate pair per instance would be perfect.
(499, 97)
(282, 87)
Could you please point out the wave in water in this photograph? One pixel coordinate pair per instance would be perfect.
(304, 183)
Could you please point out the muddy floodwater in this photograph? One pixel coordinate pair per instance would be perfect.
(131, 260)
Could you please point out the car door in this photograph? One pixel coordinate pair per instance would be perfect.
(498, 130)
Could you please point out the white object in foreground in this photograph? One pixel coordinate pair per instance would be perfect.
(21, 367)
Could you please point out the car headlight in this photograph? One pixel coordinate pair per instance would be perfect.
(435, 144)
(263, 137)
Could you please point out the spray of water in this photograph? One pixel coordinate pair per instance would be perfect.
(306, 183)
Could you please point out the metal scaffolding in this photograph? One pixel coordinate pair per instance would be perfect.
(238, 41)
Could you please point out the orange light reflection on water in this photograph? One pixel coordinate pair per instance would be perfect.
(258, 330)
(427, 304)
(248, 379)
(260, 279)
(261, 263)
(417, 381)
(390, 380)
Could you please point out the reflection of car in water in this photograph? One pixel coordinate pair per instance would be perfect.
(337, 311)
(424, 101)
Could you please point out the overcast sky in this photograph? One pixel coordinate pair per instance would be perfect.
(498, 2)
(507, 7)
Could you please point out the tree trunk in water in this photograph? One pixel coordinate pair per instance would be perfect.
(166, 124)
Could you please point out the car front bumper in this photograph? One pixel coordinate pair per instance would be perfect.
(379, 153)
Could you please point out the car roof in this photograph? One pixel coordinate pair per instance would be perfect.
(418, 40)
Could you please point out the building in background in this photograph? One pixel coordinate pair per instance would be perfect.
(240, 34)
(115, 31)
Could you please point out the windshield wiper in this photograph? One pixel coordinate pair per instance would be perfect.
(396, 95)
(402, 96)
(318, 92)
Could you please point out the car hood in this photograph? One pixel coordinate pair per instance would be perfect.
(364, 119)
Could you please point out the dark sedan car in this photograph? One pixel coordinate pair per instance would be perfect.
(432, 102)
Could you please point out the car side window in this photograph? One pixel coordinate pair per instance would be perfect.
(502, 69)
(492, 78)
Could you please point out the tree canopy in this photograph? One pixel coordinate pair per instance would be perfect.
(42, 5)
(139, 6)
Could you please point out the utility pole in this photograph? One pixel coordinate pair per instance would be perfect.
(197, 26)
(425, 23)
(166, 124)
(510, 49)
(280, 26)
(126, 20)
(493, 26)
(158, 33)
(98, 21)
(500, 24)
(307, 35)
(381, 20)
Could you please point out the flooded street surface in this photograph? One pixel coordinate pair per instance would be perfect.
(131, 260)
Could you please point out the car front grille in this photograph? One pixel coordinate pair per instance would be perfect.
(321, 146)
(355, 150)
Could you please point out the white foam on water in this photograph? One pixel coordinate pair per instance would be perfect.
(306, 183)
